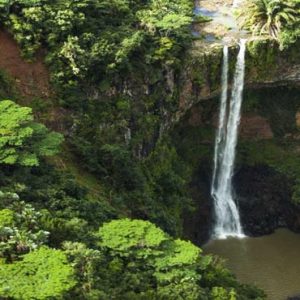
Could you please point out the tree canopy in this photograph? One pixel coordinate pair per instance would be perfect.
(41, 274)
(22, 141)
(139, 261)
(97, 39)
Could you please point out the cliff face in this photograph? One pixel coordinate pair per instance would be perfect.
(269, 127)
(267, 165)
(266, 66)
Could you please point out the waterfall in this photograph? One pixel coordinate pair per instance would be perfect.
(227, 214)
(221, 133)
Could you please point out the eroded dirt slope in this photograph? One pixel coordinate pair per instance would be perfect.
(31, 78)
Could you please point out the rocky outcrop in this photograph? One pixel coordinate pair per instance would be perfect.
(264, 184)
(264, 203)
(255, 127)
(266, 66)
(265, 200)
(298, 119)
(196, 117)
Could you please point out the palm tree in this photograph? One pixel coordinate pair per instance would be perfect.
(269, 16)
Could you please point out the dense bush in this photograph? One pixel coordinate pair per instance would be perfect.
(114, 64)
(41, 274)
(137, 260)
(97, 39)
(130, 259)
(20, 230)
(278, 18)
(22, 141)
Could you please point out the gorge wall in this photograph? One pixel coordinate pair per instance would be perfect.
(268, 165)
(269, 136)
(266, 65)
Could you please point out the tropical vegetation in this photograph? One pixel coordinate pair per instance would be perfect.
(47, 251)
(93, 202)
(279, 19)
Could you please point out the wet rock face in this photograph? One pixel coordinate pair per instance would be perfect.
(270, 123)
(255, 127)
(265, 201)
(252, 126)
(196, 118)
(266, 66)
(264, 198)
(298, 119)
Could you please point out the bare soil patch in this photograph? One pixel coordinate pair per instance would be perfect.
(31, 78)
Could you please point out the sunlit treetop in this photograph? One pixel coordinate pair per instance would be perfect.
(23, 141)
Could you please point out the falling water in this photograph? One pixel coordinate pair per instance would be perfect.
(221, 133)
(227, 215)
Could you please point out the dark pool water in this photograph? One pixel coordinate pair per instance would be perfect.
(271, 262)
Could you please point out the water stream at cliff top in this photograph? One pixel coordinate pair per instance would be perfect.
(227, 221)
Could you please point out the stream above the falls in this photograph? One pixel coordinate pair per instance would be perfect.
(270, 262)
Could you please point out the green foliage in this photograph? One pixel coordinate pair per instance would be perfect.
(68, 210)
(114, 235)
(22, 141)
(167, 178)
(41, 274)
(6, 218)
(20, 230)
(84, 36)
(7, 3)
(219, 293)
(88, 265)
(198, 19)
(115, 63)
(7, 86)
(277, 18)
(137, 260)
(98, 52)
(154, 186)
